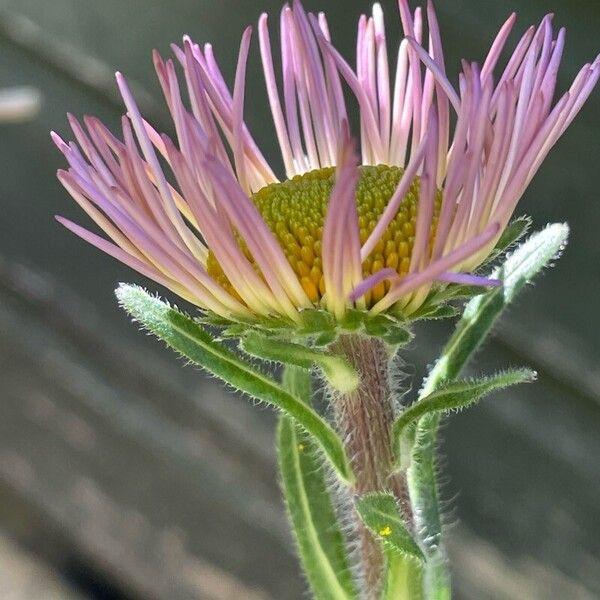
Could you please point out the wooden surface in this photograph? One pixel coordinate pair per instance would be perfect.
(118, 463)
(24, 577)
(160, 489)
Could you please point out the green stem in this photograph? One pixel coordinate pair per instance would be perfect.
(364, 419)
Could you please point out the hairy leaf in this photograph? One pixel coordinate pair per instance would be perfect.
(380, 513)
(478, 319)
(319, 538)
(338, 372)
(459, 395)
(186, 336)
(481, 312)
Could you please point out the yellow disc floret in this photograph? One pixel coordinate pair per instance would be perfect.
(295, 212)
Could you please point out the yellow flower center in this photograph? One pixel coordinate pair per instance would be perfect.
(295, 210)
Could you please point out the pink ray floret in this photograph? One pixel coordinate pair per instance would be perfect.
(166, 205)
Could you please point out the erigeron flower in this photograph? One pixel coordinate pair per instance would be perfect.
(206, 216)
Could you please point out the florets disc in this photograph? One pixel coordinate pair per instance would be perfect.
(295, 210)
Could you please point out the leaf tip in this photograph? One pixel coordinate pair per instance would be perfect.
(341, 375)
(127, 292)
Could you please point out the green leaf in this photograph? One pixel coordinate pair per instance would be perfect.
(326, 338)
(298, 383)
(459, 395)
(515, 230)
(424, 496)
(481, 312)
(338, 372)
(186, 336)
(478, 318)
(318, 536)
(453, 291)
(403, 578)
(380, 513)
(435, 312)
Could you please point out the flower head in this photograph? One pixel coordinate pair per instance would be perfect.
(206, 216)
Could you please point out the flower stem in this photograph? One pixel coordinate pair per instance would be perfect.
(364, 419)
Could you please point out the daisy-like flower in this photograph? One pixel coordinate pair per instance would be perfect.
(207, 217)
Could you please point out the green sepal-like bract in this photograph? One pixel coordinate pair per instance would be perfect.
(318, 327)
(188, 338)
(319, 539)
(337, 370)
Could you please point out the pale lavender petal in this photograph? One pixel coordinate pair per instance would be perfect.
(394, 202)
(341, 243)
(261, 242)
(413, 29)
(437, 72)
(222, 242)
(148, 150)
(370, 121)
(289, 90)
(222, 107)
(336, 93)
(410, 283)
(497, 46)
(443, 102)
(515, 60)
(239, 90)
(402, 106)
(203, 299)
(469, 279)
(370, 282)
(383, 76)
(273, 94)
(325, 128)
(297, 60)
(427, 194)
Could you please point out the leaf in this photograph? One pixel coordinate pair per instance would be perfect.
(453, 291)
(478, 318)
(432, 312)
(515, 230)
(379, 512)
(326, 338)
(481, 312)
(337, 370)
(403, 578)
(459, 395)
(186, 336)
(318, 536)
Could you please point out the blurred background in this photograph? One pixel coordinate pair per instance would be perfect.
(124, 475)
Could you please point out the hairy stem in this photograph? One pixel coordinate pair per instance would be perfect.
(364, 420)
